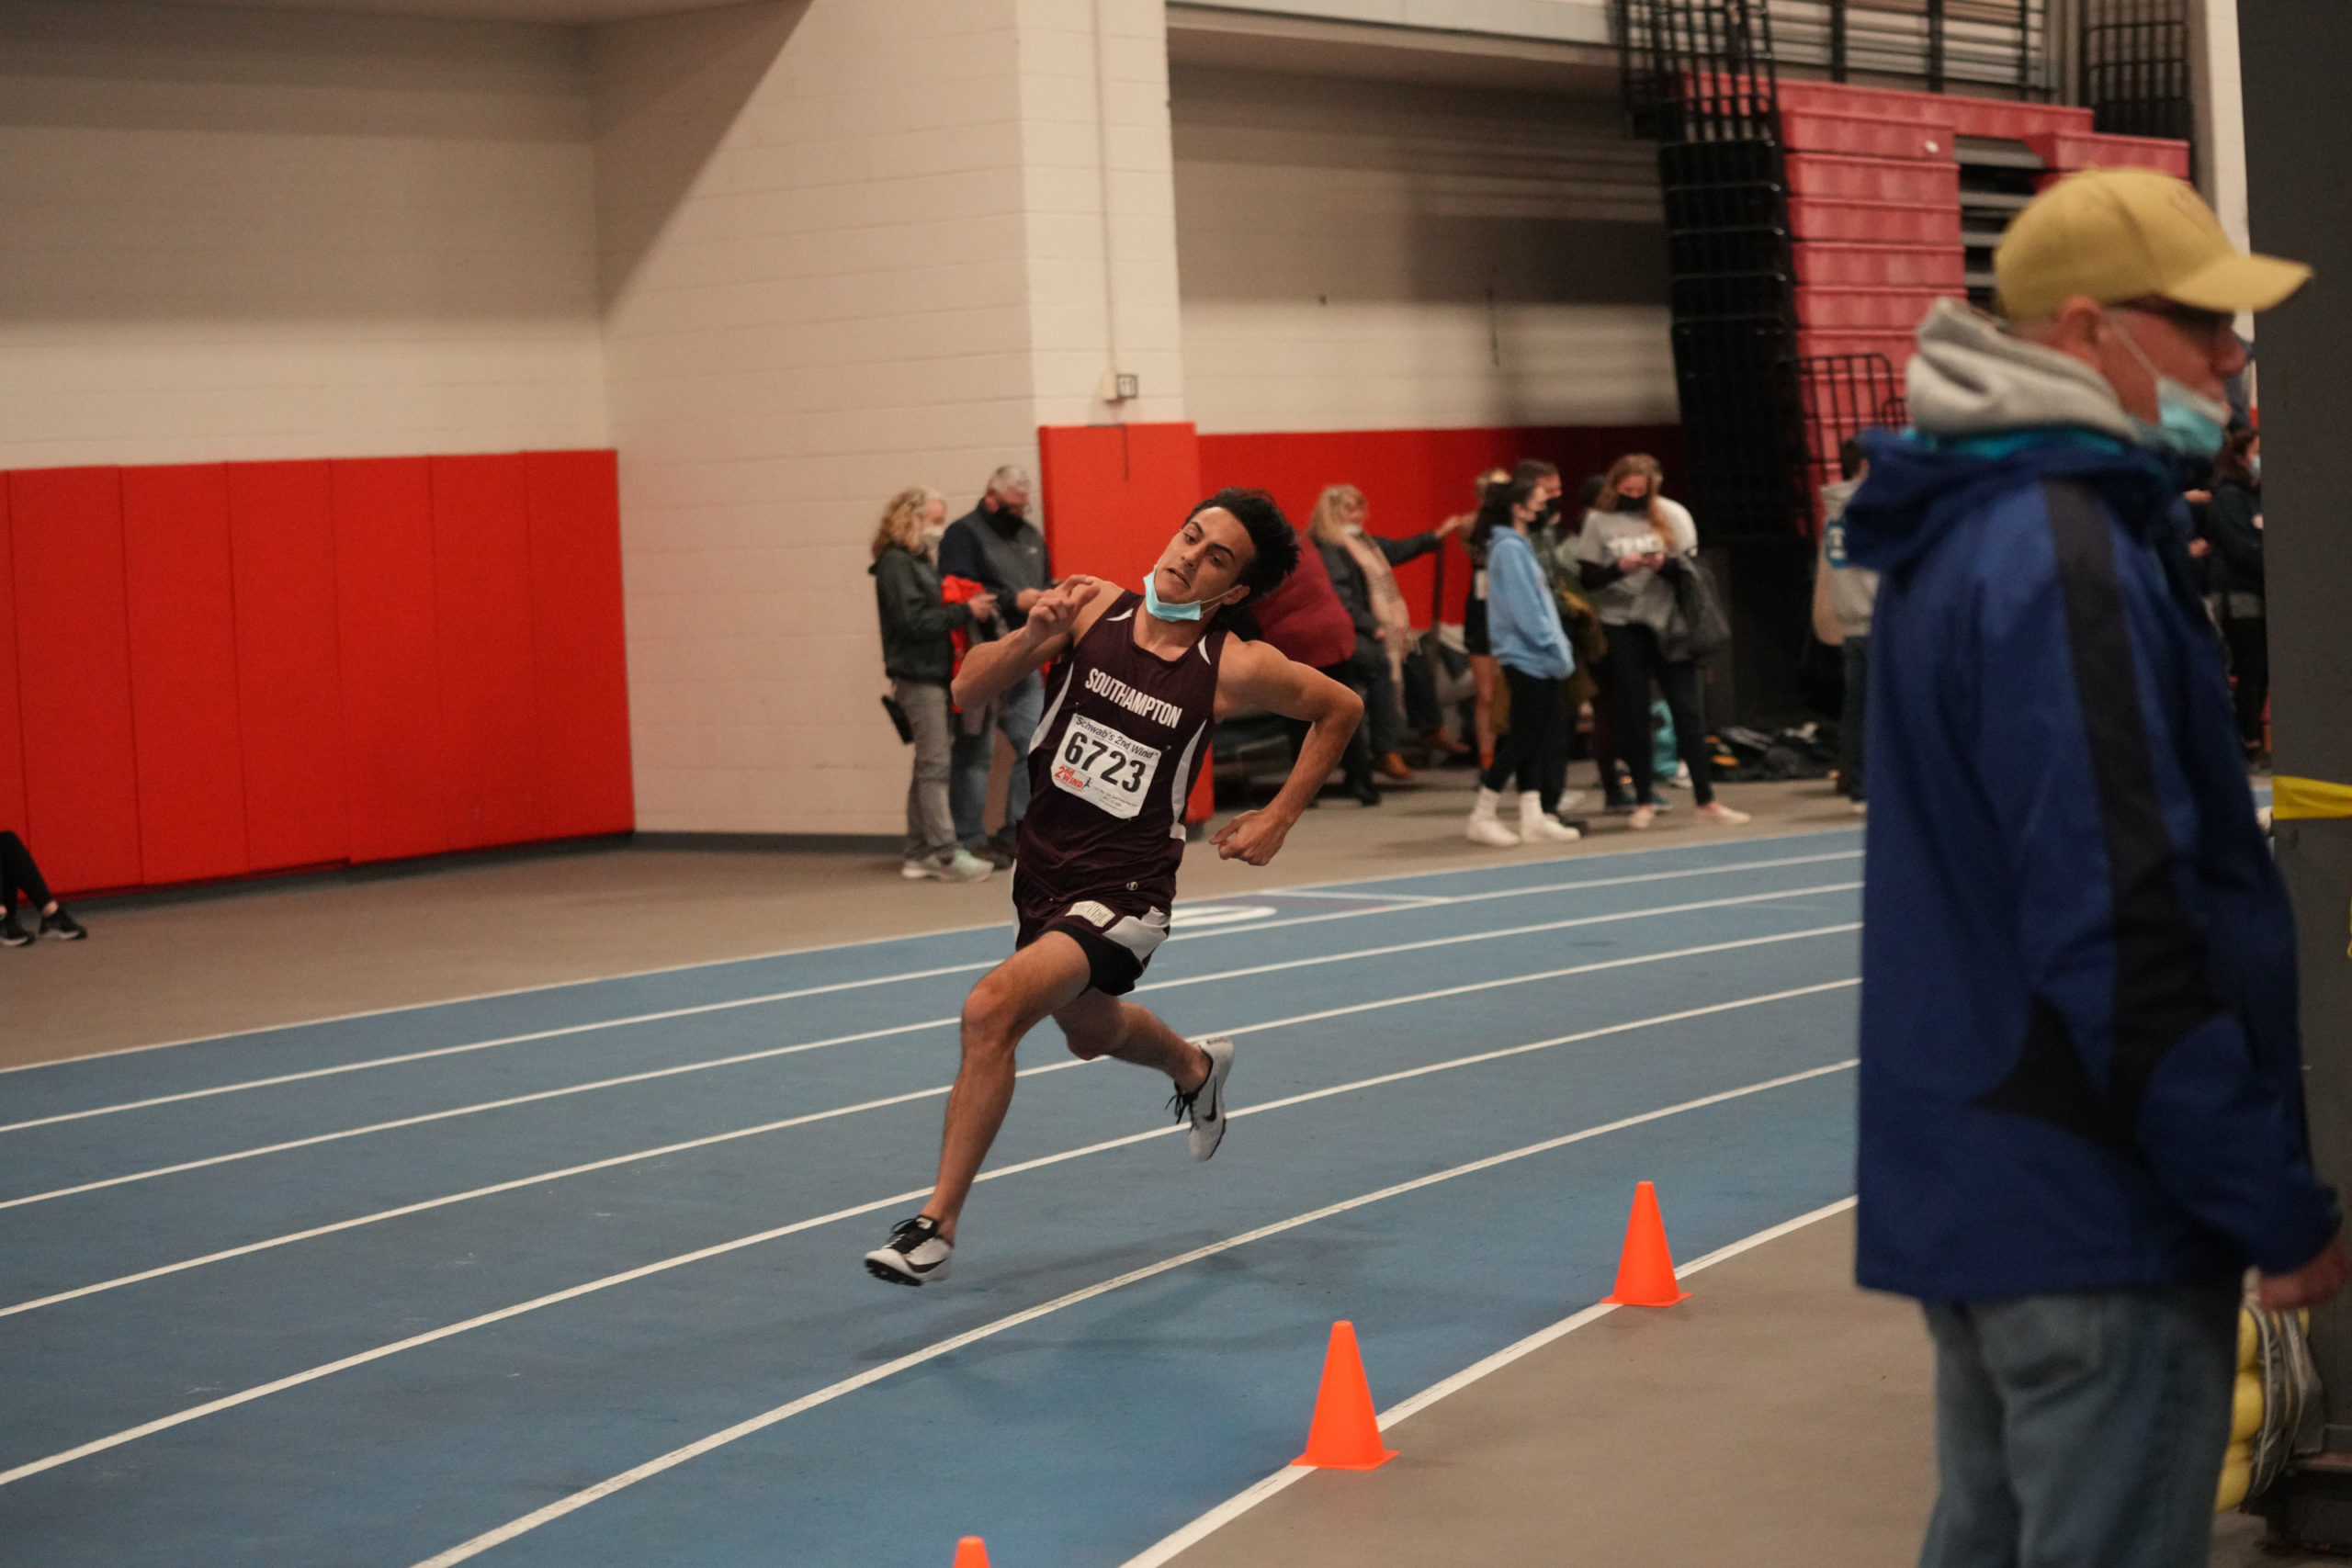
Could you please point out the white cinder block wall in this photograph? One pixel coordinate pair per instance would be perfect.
(849, 245)
(1394, 255)
(247, 234)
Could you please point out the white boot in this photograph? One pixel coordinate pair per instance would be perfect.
(1537, 826)
(1486, 826)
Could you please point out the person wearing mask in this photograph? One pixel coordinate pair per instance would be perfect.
(2082, 1113)
(1630, 552)
(1524, 627)
(20, 878)
(919, 655)
(1362, 570)
(2231, 526)
(1494, 509)
(1842, 595)
(996, 546)
(1302, 619)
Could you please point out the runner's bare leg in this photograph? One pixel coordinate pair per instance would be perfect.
(1097, 1025)
(1010, 1000)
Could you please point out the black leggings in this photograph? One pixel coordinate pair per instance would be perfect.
(1356, 760)
(1633, 661)
(2249, 643)
(18, 874)
(1533, 742)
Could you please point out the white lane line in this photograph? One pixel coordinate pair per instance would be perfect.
(631, 1020)
(832, 947)
(1368, 897)
(500, 1314)
(760, 1422)
(1166, 1548)
(649, 1075)
(546, 1176)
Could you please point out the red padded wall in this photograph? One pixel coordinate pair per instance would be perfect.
(384, 607)
(1415, 478)
(281, 533)
(73, 676)
(1114, 493)
(580, 656)
(481, 568)
(12, 727)
(181, 611)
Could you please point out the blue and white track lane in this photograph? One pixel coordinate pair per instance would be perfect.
(370, 1289)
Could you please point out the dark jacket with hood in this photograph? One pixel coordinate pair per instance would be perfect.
(915, 620)
(2080, 1068)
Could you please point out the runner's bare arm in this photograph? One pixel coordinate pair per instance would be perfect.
(1060, 617)
(1254, 675)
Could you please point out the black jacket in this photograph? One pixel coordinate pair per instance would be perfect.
(915, 620)
(1348, 577)
(2227, 522)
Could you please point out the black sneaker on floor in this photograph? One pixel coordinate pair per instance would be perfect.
(916, 1254)
(11, 933)
(61, 927)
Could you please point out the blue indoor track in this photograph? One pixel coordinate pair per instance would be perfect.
(367, 1291)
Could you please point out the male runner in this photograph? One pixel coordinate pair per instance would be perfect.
(1128, 706)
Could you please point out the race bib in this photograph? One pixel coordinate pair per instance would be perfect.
(1101, 766)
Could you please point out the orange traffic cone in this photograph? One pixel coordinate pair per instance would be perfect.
(1645, 1271)
(1346, 1435)
(971, 1552)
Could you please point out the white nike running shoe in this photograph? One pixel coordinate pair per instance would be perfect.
(916, 1254)
(1205, 1106)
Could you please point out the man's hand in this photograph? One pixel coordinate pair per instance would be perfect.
(1254, 836)
(982, 605)
(1055, 610)
(2315, 1283)
(1026, 600)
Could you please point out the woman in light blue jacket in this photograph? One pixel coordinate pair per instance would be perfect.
(1523, 625)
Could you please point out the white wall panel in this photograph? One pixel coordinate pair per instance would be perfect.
(237, 235)
(1364, 255)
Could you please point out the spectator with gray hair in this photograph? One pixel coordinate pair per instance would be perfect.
(996, 546)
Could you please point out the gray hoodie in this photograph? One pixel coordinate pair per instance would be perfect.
(1970, 378)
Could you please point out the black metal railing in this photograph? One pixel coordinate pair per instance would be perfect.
(1701, 80)
(1996, 47)
(1843, 395)
(2135, 63)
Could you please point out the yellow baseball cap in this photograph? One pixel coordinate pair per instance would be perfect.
(2119, 234)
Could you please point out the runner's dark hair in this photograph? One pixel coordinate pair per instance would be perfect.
(1273, 553)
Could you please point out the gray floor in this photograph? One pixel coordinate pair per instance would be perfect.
(1779, 1417)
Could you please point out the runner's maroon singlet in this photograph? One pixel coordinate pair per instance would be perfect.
(1124, 737)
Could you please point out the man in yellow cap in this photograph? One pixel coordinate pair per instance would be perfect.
(2081, 1108)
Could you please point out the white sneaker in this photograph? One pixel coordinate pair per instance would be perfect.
(916, 1254)
(1569, 800)
(1485, 826)
(1640, 817)
(962, 865)
(1205, 1106)
(1537, 826)
(1717, 812)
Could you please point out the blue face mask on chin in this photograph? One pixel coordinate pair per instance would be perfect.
(1161, 609)
(2187, 422)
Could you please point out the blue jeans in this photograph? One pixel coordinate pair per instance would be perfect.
(1017, 713)
(2081, 1429)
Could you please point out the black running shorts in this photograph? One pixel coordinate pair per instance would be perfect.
(1119, 930)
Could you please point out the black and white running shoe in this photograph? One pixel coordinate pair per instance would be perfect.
(916, 1254)
(11, 933)
(1205, 1106)
(61, 927)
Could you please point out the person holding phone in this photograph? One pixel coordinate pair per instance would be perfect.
(918, 654)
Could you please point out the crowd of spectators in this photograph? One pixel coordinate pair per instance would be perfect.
(1572, 618)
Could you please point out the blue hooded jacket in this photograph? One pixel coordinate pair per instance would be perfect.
(2079, 1059)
